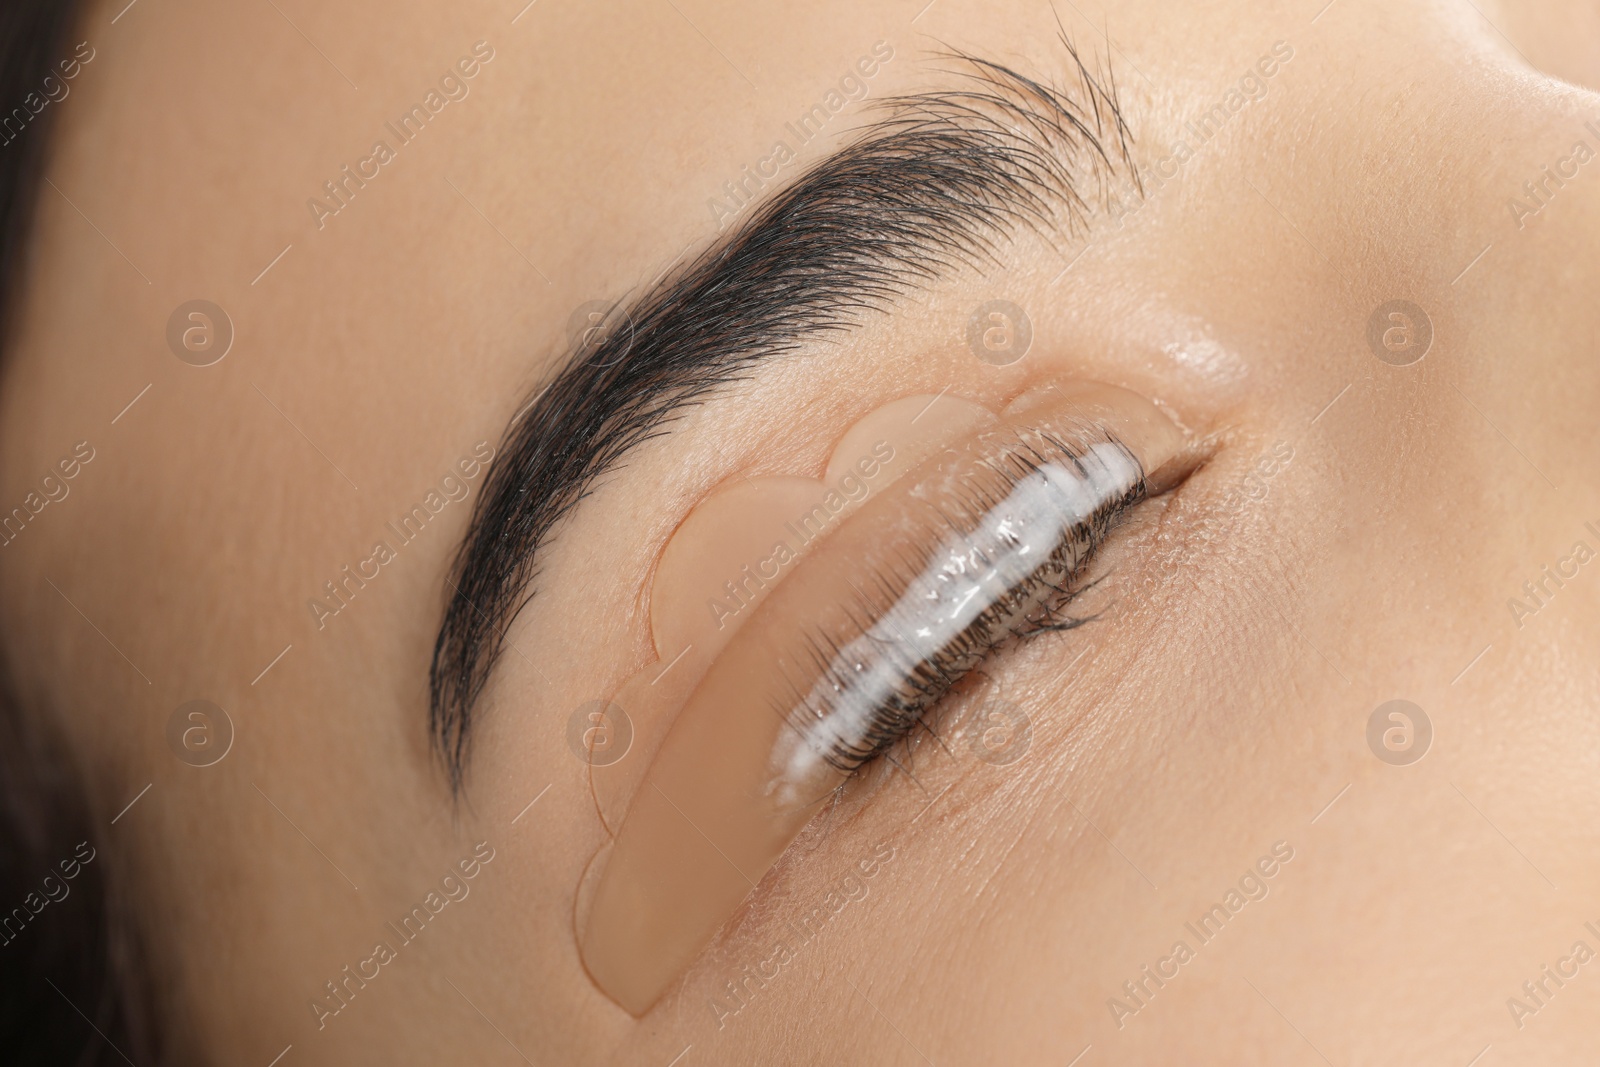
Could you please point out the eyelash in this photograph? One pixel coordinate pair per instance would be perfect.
(1024, 604)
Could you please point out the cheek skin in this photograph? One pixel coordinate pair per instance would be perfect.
(707, 823)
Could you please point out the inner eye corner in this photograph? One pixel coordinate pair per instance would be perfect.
(1196, 455)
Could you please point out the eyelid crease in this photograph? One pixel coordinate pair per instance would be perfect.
(938, 182)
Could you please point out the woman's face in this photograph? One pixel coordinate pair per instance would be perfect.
(1346, 308)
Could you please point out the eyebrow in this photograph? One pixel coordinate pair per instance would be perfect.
(937, 182)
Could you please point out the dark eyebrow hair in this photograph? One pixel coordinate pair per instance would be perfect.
(938, 181)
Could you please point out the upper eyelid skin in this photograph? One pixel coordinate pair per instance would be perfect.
(707, 823)
(939, 182)
(739, 543)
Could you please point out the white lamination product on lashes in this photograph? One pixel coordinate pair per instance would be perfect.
(968, 575)
(988, 535)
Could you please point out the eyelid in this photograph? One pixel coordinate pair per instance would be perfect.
(737, 546)
(1021, 535)
(709, 820)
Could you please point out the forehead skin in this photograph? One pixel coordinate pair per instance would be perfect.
(380, 349)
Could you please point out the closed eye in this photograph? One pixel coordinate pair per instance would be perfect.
(936, 184)
(1014, 541)
(987, 540)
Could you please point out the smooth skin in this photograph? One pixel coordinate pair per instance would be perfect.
(1220, 711)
